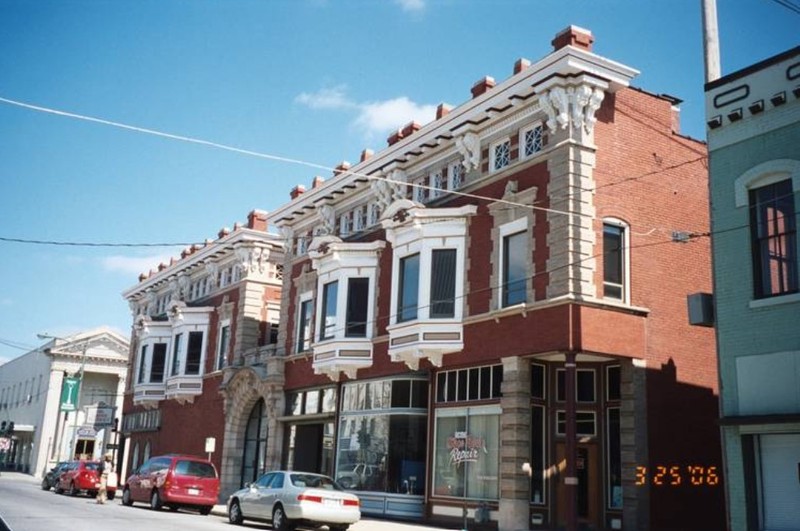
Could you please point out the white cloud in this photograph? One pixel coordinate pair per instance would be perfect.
(383, 116)
(327, 98)
(133, 265)
(373, 118)
(411, 5)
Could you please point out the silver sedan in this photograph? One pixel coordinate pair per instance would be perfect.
(287, 499)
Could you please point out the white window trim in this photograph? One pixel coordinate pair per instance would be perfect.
(182, 354)
(626, 260)
(509, 229)
(304, 297)
(764, 174)
(335, 270)
(493, 150)
(522, 133)
(425, 247)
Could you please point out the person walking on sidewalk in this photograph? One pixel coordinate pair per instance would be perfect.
(106, 468)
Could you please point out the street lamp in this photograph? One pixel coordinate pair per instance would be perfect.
(73, 443)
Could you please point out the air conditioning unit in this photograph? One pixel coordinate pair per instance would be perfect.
(701, 309)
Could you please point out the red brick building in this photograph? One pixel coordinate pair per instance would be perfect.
(198, 321)
(499, 291)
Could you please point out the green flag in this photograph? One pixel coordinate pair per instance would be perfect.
(69, 394)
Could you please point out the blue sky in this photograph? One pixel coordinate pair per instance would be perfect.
(316, 80)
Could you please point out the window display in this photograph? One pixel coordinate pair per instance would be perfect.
(467, 453)
(381, 439)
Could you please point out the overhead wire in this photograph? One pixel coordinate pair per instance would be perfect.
(267, 156)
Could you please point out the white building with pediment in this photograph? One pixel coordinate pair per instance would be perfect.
(30, 396)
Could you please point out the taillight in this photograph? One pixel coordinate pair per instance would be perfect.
(354, 503)
(309, 498)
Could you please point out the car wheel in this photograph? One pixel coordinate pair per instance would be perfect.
(72, 490)
(279, 520)
(205, 510)
(155, 501)
(339, 527)
(45, 485)
(126, 497)
(111, 494)
(235, 515)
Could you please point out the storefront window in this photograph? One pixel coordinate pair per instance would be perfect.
(382, 440)
(467, 453)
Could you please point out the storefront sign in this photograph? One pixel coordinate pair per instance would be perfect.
(87, 431)
(100, 416)
(465, 448)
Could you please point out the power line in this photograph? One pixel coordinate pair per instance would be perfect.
(788, 5)
(267, 156)
(98, 244)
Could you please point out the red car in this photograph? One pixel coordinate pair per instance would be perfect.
(82, 476)
(175, 481)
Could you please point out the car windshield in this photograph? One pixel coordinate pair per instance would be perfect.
(313, 481)
(195, 468)
(91, 465)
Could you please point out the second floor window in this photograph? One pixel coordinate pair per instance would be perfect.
(501, 155)
(613, 261)
(222, 351)
(773, 228)
(304, 330)
(194, 352)
(514, 278)
(408, 301)
(329, 300)
(443, 283)
(357, 301)
(158, 362)
(176, 355)
(142, 364)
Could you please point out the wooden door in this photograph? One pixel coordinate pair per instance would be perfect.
(589, 499)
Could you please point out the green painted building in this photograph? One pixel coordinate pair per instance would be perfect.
(753, 118)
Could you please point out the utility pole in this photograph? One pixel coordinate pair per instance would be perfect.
(711, 40)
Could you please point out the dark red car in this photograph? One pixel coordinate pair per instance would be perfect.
(82, 476)
(174, 481)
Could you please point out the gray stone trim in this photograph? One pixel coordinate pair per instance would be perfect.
(515, 434)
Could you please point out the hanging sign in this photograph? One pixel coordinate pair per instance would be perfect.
(69, 394)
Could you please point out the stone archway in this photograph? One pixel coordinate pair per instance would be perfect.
(242, 392)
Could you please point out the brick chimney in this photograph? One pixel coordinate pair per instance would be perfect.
(297, 191)
(395, 137)
(482, 86)
(573, 36)
(341, 168)
(410, 128)
(521, 64)
(443, 110)
(257, 220)
(365, 154)
(317, 182)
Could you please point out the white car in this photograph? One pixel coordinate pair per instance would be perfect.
(287, 499)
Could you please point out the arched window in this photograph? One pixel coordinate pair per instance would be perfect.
(255, 444)
(135, 457)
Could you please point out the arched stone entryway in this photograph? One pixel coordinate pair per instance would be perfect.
(249, 391)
